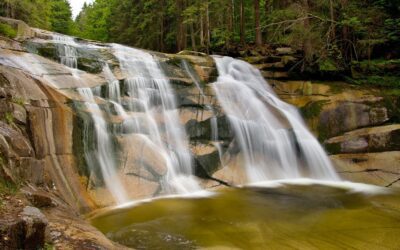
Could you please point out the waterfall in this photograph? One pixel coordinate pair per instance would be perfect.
(102, 154)
(146, 86)
(271, 134)
(66, 48)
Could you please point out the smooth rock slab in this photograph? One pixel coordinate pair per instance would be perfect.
(375, 139)
(382, 169)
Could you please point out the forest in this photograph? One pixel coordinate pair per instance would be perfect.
(332, 34)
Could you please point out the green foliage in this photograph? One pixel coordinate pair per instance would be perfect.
(18, 100)
(33, 12)
(60, 16)
(52, 15)
(327, 65)
(379, 81)
(49, 246)
(332, 33)
(7, 30)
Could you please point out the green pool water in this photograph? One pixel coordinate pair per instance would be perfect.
(286, 217)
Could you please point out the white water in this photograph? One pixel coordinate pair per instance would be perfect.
(101, 155)
(147, 85)
(66, 48)
(274, 141)
(265, 127)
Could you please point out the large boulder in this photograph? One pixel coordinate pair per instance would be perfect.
(25, 232)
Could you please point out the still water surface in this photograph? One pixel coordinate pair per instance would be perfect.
(291, 216)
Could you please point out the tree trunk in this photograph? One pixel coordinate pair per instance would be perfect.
(242, 21)
(257, 22)
(229, 22)
(192, 37)
(208, 32)
(202, 30)
(307, 47)
(162, 47)
(333, 25)
(179, 34)
(268, 10)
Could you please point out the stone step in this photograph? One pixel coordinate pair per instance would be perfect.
(375, 139)
(270, 66)
(262, 59)
(275, 74)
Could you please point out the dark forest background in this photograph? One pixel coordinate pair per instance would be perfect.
(332, 34)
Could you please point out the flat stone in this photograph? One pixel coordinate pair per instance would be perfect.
(30, 169)
(144, 156)
(285, 51)
(21, 86)
(39, 199)
(382, 169)
(275, 74)
(375, 139)
(19, 113)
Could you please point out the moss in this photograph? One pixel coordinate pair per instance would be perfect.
(334, 148)
(90, 65)
(79, 147)
(327, 65)
(7, 30)
(393, 105)
(49, 52)
(18, 100)
(379, 81)
(376, 68)
(49, 246)
(9, 118)
(312, 109)
(7, 187)
(323, 132)
(175, 61)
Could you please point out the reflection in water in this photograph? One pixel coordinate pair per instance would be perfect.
(288, 217)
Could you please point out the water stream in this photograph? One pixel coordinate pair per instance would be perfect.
(289, 216)
(272, 136)
(146, 85)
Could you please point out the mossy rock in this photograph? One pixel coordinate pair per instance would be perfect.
(48, 52)
(382, 68)
(90, 65)
(313, 109)
(203, 131)
(8, 30)
(207, 165)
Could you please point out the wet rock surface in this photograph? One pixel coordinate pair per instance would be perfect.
(356, 125)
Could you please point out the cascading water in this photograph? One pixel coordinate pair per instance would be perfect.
(274, 142)
(101, 153)
(66, 47)
(147, 87)
(273, 139)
